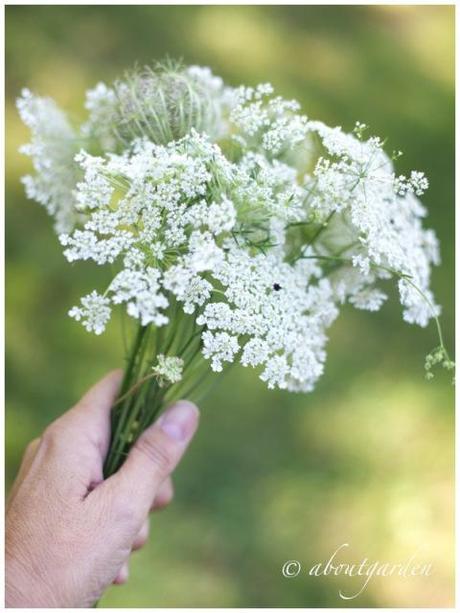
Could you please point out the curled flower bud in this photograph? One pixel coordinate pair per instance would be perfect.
(164, 104)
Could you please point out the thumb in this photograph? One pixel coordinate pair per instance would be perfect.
(153, 457)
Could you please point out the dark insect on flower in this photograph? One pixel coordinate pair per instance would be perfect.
(277, 287)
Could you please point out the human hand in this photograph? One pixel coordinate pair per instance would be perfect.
(69, 533)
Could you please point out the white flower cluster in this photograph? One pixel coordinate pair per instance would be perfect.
(375, 219)
(52, 149)
(214, 205)
(168, 368)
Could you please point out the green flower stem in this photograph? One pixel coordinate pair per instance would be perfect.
(119, 415)
(189, 390)
(322, 227)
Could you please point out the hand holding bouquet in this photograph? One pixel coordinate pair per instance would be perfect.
(234, 226)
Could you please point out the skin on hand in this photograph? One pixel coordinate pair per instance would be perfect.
(69, 533)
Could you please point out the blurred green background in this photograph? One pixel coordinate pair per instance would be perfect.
(367, 459)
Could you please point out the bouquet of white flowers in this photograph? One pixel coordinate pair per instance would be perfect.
(235, 228)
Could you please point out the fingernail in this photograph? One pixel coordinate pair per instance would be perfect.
(179, 421)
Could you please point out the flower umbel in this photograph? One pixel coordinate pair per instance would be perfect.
(169, 368)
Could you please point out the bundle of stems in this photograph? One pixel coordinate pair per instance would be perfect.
(143, 393)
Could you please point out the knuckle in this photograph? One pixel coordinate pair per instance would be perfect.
(142, 537)
(145, 531)
(51, 435)
(54, 440)
(163, 498)
(32, 446)
(168, 497)
(124, 512)
(139, 542)
(157, 453)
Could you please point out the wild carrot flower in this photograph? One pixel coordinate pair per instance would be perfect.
(234, 224)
